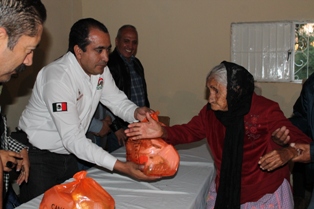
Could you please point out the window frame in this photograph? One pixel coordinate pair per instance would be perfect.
(255, 51)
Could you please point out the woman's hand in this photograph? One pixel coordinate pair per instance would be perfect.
(145, 130)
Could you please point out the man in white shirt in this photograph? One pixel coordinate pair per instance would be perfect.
(65, 96)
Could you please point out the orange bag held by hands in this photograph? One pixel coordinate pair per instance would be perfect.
(83, 192)
(158, 157)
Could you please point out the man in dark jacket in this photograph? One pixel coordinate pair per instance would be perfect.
(303, 118)
(128, 74)
(126, 69)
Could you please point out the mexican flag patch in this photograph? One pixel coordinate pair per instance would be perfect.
(59, 107)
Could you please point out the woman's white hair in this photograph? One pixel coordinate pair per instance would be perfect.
(219, 73)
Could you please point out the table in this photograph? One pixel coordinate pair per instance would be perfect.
(187, 189)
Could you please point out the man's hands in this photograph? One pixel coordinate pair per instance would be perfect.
(295, 152)
(9, 156)
(277, 158)
(304, 155)
(140, 113)
(281, 136)
(105, 127)
(23, 166)
(145, 130)
(18, 160)
(133, 170)
(121, 137)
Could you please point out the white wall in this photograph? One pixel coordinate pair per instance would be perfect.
(61, 14)
(179, 42)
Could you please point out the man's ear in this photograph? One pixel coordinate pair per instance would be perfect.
(4, 38)
(78, 52)
(3, 34)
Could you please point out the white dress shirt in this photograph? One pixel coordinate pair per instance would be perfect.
(61, 107)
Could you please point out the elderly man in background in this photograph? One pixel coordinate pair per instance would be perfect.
(21, 27)
(128, 74)
(303, 118)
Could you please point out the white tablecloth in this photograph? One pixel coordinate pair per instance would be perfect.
(187, 189)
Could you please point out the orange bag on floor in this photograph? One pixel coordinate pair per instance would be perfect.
(83, 192)
(159, 158)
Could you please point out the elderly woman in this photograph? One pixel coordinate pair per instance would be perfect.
(238, 125)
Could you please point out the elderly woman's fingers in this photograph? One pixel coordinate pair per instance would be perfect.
(270, 163)
(274, 159)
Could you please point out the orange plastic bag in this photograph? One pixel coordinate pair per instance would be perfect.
(83, 192)
(158, 157)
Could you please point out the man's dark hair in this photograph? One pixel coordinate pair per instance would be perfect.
(21, 17)
(80, 31)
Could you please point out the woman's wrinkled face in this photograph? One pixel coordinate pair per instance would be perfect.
(217, 95)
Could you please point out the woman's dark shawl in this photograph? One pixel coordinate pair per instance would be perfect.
(240, 87)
